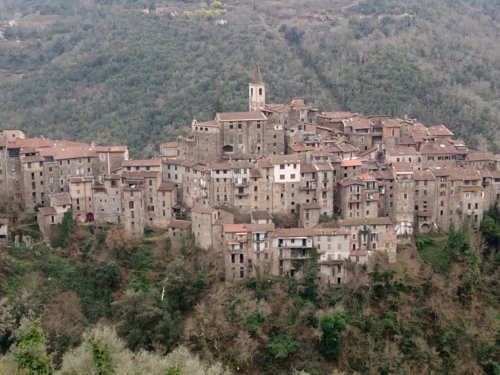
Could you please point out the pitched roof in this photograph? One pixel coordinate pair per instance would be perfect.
(60, 199)
(402, 151)
(391, 123)
(169, 145)
(261, 215)
(256, 228)
(203, 209)
(179, 224)
(29, 143)
(111, 149)
(358, 122)
(142, 163)
(437, 149)
(284, 159)
(174, 161)
(382, 220)
(294, 232)
(366, 177)
(331, 231)
(257, 78)
(46, 211)
(74, 153)
(350, 181)
(423, 175)
(240, 116)
(307, 168)
(299, 147)
(235, 228)
(337, 115)
(310, 206)
(323, 167)
(440, 131)
(481, 156)
(32, 159)
(206, 123)
(351, 163)
(166, 186)
(402, 167)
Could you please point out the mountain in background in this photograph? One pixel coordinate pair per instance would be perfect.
(134, 72)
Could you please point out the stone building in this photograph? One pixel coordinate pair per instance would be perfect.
(111, 158)
(80, 192)
(286, 178)
(179, 229)
(403, 210)
(294, 247)
(107, 200)
(196, 183)
(370, 235)
(333, 246)
(425, 200)
(207, 227)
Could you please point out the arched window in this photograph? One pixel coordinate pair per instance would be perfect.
(251, 91)
(260, 91)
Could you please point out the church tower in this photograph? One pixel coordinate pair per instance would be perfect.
(256, 92)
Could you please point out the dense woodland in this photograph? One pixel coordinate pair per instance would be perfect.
(134, 71)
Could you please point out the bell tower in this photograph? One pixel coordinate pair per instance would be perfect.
(256, 92)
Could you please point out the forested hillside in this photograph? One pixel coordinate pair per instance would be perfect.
(123, 71)
(101, 302)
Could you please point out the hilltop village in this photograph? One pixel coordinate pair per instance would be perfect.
(268, 189)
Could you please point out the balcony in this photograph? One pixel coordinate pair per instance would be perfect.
(309, 186)
(239, 184)
(294, 245)
(355, 198)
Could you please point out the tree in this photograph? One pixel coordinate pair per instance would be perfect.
(143, 322)
(281, 346)
(103, 352)
(332, 325)
(31, 352)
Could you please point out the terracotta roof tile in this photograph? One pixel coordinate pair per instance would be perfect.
(235, 228)
(120, 149)
(383, 220)
(240, 116)
(166, 186)
(261, 215)
(60, 199)
(351, 163)
(294, 232)
(142, 163)
(179, 224)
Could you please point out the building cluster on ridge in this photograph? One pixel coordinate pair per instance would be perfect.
(382, 177)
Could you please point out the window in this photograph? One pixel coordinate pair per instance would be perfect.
(282, 166)
(292, 176)
(282, 176)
